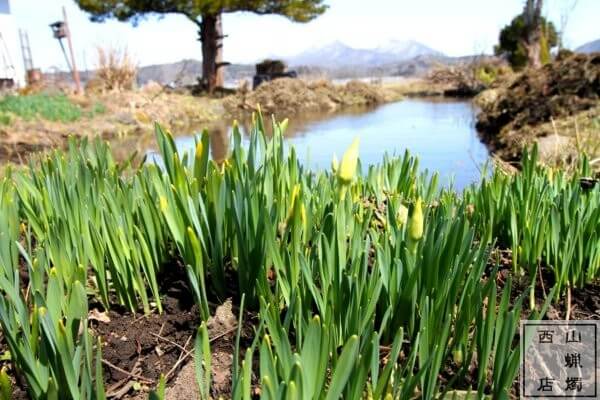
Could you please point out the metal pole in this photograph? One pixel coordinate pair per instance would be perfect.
(73, 65)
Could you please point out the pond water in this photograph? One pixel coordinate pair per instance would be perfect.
(440, 133)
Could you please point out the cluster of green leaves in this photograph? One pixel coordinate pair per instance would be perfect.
(303, 245)
(296, 10)
(51, 107)
(88, 217)
(44, 321)
(360, 291)
(547, 219)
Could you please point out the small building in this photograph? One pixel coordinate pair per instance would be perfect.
(11, 66)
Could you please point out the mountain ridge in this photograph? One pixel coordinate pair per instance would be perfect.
(338, 53)
(589, 47)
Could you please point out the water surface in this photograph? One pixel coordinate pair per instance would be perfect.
(440, 133)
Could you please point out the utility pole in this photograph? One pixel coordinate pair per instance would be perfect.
(60, 29)
(73, 65)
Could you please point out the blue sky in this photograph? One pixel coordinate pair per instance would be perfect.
(455, 27)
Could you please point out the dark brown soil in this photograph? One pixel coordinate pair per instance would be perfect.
(585, 302)
(146, 346)
(20, 152)
(561, 88)
(138, 348)
(19, 388)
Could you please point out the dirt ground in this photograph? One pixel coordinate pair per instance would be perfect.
(287, 97)
(560, 99)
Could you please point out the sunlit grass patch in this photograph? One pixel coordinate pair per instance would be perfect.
(51, 107)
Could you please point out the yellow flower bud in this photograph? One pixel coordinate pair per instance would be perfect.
(415, 226)
(401, 215)
(335, 164)
(199, 149)
(303, 216)
(283, 125)
(61, 327)
(347, 169)
(163, 203)
(457, 355)
(295, 193)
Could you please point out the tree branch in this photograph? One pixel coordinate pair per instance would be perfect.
(193, 19)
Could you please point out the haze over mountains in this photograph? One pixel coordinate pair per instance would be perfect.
(335, 60)
(332, 60)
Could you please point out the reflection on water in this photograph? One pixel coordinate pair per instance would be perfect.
(440, 133)
(219, 143)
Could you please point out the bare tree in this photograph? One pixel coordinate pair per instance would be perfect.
(565, 14)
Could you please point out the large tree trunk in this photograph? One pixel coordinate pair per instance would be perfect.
(533, 31)
(211, 36)
(534, 53)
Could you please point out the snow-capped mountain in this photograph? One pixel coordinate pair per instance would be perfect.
(406, 49)
(589, 47)
(339, 54)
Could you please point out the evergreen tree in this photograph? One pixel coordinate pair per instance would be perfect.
(514, 43)
(206, 14)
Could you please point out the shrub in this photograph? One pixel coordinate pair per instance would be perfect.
(116, 71)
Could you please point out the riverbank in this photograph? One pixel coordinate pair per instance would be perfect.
(126, 118)
(557, 107)
(122, 116)
(289, 97)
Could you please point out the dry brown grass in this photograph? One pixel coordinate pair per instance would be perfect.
(286, 96)
(470, 78)
(115, 71)
(415, 87)
(583, 130)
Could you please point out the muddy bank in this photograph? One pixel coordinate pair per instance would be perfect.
(126, 115)
(287, 97)
(541, 103)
